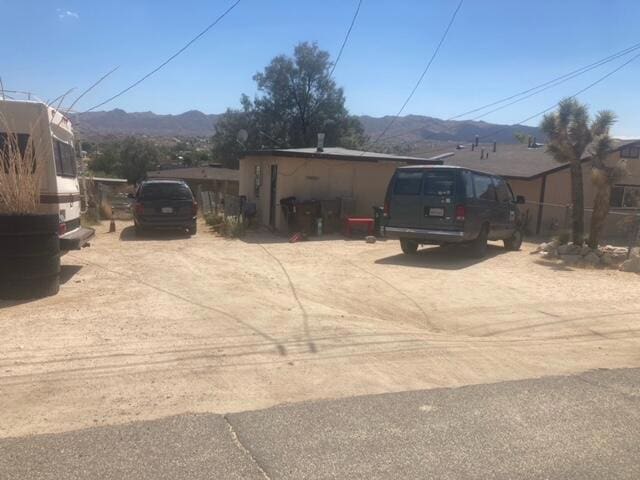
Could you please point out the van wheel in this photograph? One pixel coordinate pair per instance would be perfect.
(193, 230)
(514, 242)
(140, 231)
(410, 247)
(479, 245)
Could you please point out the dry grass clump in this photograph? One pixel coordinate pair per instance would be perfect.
(21, 170)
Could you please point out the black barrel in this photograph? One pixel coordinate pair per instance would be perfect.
(29, 256)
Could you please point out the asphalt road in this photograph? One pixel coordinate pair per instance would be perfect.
(585, 426)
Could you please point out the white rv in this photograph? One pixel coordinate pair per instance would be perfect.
(59, 191)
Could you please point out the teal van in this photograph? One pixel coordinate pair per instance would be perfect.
(437, 205)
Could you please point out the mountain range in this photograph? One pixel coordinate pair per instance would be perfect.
(407, 129)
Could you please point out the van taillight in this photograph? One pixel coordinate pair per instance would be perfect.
(194, 209)
(460, 213)
(385, 209)
(62, 229)
(139, 208)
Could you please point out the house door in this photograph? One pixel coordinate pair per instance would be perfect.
(272, 196)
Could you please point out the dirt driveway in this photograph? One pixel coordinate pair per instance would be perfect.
(147, 328)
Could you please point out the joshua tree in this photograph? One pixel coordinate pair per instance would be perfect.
(603, 177)
(570, 133)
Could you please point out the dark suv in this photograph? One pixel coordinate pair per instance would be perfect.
(166, 204)
(436, 205)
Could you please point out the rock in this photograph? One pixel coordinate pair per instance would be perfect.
(569, 249)
(631, 265)
(635, 252)
(585, 250)
(571, 259)
(592, 258)
(370, 239)
(608, 260)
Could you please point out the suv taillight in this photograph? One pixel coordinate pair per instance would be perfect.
(139, 208)
(460, 213)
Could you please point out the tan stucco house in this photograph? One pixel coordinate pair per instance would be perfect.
(546, 184)
(358, 178)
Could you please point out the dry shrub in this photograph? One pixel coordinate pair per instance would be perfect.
(21, 171)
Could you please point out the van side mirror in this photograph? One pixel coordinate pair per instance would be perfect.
(520, 200)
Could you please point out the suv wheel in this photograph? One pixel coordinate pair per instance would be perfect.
(410, 247)
(515, 241)
(479, 245)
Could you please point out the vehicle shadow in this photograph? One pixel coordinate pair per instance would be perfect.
(128, 234)
(448, 257)
(66, 273)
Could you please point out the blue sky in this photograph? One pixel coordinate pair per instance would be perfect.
(494, 49)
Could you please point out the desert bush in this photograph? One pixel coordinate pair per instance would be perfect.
(21, 170)
(563, 237)
(232, 227)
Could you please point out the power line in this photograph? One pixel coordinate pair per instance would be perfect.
(424, 72)
(542, 112)
(346, 38)
(536, 89)
(189, 43)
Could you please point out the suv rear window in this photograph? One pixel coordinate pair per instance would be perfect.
(439, 184)
(408, 183)
(173, 191)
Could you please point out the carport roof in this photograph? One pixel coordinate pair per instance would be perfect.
(337, 153)
(514, 161)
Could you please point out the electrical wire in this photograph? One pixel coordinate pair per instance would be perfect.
(424, 72)
(346, 38)
(536, 89)
(187, 45)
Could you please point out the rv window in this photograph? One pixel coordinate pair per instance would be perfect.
(23, 140)
(440, 184)
(65, 159)
(407, 183)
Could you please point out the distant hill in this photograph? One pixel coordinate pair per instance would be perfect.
(409, 129)
(120, 123)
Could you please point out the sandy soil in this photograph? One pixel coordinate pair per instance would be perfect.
(147, 328)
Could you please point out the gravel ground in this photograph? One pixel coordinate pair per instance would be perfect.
(146, 328)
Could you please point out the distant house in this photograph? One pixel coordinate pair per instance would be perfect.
(205, 178)
(546, 184)
(358, 179)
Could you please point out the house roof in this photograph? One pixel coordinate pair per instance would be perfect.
(196, 173)
(514, 161)
(337, 153)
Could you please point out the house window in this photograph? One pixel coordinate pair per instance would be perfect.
(625, 196)
(630, 152)
(257, 180)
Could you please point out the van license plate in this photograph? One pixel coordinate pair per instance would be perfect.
(436, 212)
(167, 210)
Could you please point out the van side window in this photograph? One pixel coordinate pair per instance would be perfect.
(408, 183)
(468, 184)
(502, 189)
(65, 159)
(484, 187)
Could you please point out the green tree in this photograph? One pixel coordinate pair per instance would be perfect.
(136, 158)
(570, 132)
(297, 99)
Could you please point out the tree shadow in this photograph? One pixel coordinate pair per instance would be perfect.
(447, 257)
(128, 234)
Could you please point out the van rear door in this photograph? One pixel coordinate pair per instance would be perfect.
(405, 204)
(439, 187)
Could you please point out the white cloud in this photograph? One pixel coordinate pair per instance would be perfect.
(62, 14)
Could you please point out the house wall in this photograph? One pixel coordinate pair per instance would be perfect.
(530, 190)
(315, 179)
